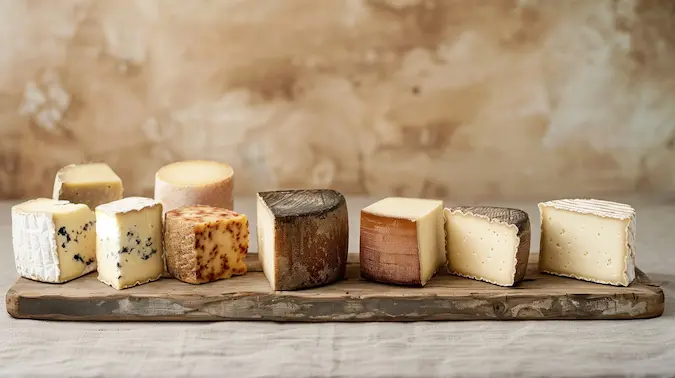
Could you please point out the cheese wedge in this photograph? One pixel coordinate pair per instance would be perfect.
(54, 241)
(91, 184)
(588, 239)
(195, 182)
(204, 243)
(129, 242)
(303, 236)
(489, 244)
(402, 240)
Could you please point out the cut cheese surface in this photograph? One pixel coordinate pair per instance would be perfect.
(194, 182)
(303, 237)
(53, 241)
(588, 239)
(402, 240)
(90, 184)
(129, 242)
(490, 244)
(205, 244)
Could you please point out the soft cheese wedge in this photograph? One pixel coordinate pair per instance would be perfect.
(91, 184)
(490, 244)
(204, 243)
(195, 182)
(303, 236)
(129, 242)
(588, 239)
(402, 240)
(54, 241)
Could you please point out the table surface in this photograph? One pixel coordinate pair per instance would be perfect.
(260, 349)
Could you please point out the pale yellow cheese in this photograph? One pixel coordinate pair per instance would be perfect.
(590, 240)
(90, 184)
(129, 242)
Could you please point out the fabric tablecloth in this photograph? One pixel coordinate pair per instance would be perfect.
(261, 349)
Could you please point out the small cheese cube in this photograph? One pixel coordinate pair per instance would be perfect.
(588, 239)
(91, 184)
(194, 182)
(129, 242)
(402, 240)
(204, 243)
(54, 241)
(490, 244)
(303, 236)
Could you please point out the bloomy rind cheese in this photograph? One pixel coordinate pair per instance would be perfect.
(602, 209)
(214, 188)
(53, 240)
(402, 241)
(204, 244)
(89, 192)
(303, 236)
(513, 218)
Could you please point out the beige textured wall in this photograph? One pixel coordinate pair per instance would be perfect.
(441, 98)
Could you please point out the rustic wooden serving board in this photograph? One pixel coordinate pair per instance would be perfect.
(249, 297)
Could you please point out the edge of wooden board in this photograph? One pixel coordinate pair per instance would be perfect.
(643, 299)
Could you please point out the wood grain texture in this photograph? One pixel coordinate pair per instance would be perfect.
(389, 251)
(249, 297)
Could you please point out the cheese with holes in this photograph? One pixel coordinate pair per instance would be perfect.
(54, 241)
(129, 242)
(195, 182)
(402, 240)
(204, 243)
(588, 239)
(303, 236)
(91, 184)
(485, 243)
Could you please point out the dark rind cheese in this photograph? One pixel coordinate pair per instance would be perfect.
(507, 216)
(303, 237)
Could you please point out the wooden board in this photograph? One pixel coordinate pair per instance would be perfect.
(249, 297)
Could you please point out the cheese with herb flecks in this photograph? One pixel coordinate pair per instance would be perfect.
(204, 243)
(53, 241)
(129, 242)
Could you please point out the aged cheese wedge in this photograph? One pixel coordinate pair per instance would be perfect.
(204, 243)
(490, 244)
(91, 184)
(194, 182)
(402, 240)
(588, 239)
(303, 236)
(54, 241)
(129, 242)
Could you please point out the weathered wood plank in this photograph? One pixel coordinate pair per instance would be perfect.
(249, 297)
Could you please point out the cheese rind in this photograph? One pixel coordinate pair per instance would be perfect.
(303, 236)
(588, 239)
(402, 240)
(195, 182)
(205, 244)
(129, 242)
(90, 184)
(490, 244)
(53, 241)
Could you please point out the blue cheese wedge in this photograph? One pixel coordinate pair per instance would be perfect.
(54, 241)
(92, 184)
(588, 239)
(129, 242)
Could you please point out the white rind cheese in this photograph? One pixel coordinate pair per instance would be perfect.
(402, 240)
(195, 182)
(489, 244)
(92, 184)
(129, 242)
(54, 241)
(588, 239)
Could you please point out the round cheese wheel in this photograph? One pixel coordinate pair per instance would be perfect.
(195, 182)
